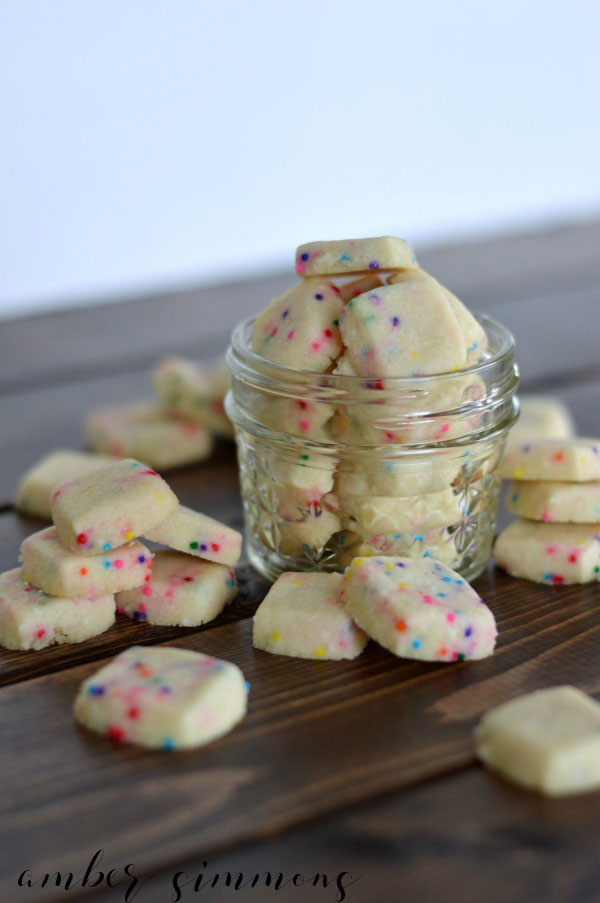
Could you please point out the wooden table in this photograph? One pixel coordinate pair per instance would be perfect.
(362, 772)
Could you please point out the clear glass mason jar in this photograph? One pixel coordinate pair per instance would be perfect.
(335, 466)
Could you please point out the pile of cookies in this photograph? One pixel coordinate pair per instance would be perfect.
(176, 429)
(556, 494)
(331, 322)
(77, 572)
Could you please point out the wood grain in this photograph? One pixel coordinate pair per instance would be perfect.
(466, 838)
(197, 321)
(318, 737)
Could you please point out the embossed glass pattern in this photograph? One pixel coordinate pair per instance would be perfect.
(334, 466)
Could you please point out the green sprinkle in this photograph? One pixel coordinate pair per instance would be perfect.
(336, 322)
(461, 656)
(193, 545)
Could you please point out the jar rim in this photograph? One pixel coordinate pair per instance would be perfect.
(271, 371)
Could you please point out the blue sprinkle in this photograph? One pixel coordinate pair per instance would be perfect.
(345, 258)
(247, 686)
(96, 690)
(139, 616)
(304, 256)
(168, 743)
(106, 564)
(447, 579)
(399, 564)
(427, 554)
(395, 321)
(419, 537)
(203, 547)
(319, 296)
(141, 558)
(468, 631)
(442, 595)
(547, 577)
(107, 547)
(415, 644)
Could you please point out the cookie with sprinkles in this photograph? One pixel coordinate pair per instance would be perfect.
(51, 567)
(561, 502)
(302, 616)
(300, 329)
(418, 608)
(163, 698)
(183, 591)
(407, 329)
(32, 619)
(102, 510)
(475, 336)
(555, 554)
(354, 255)
(576, 460)
(197, 534)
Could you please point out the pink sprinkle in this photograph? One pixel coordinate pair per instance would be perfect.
(300, 267)
(546, 516)
(445, 428)
(290, 334)
(142, 607)
(118, 563)
(550, 550)
(428, 599)
(316, 346)
(304, 424)
(147, 591)
(450, 617)
(40, 633)
(274, 331)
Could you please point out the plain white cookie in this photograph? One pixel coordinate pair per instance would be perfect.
(548, 741)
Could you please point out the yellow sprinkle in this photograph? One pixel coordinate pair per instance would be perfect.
(297, 582)
(415, 355)
(275, 636)
(159, 496)
(129, 535)
(518, 473)
(456, 367)
(320, 652)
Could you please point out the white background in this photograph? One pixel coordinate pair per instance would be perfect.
(151, 142)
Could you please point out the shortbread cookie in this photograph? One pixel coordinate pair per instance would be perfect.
(408, 329)
(301, 328)
(541, 417)
(36, 485)
(548, 741)
(31, 619)
(49, 566)
(475, 336)
(357, 286)
(550, 553)
(382, 514)
(418, 608)
(197, 534)
(104, 509)
(145, 431)
(354, 255)
(162, 697)
(576, 460)
(302, 616)
(437, 544)
(195, 392)
(565, 503)
(183, 592)
(298, 537)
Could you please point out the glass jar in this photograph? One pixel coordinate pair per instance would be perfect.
(335, 466)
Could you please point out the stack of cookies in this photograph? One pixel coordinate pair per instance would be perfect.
(65, 592)
(556, 494)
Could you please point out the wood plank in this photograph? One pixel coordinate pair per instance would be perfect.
(36, 421)
(465, 838)
(129, 335)
(318, 736)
